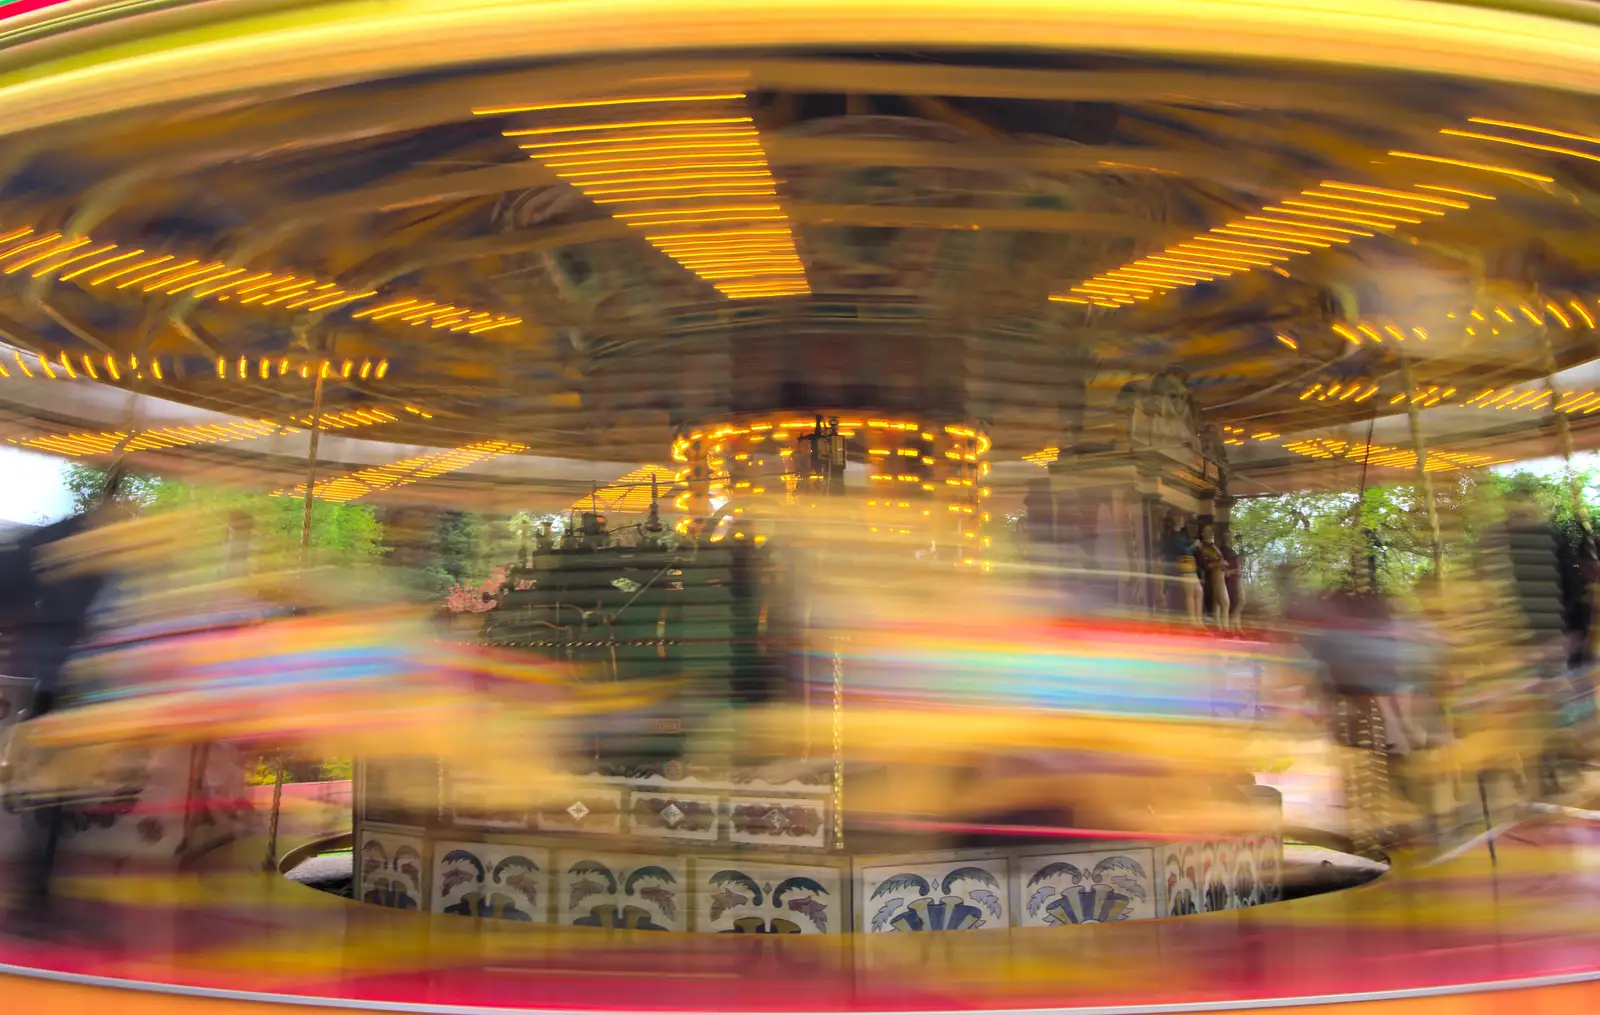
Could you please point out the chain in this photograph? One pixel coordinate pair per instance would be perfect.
(838, 747)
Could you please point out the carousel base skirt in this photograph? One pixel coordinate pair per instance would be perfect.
(1518, 932)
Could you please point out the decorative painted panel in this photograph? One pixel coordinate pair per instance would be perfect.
(389, 866)
(736, 897)
(1269, 867)
(494, 880)
(592, 809)
(625, 892)
(968, 893)
(673, 816)
(1218, 861)
(813, 780)
(778, 822)
(1208, 877)
(1180, 893)
(1093, 887)
(766, 893)
(1245, 884)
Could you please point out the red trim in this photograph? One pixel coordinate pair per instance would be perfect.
(18, 8)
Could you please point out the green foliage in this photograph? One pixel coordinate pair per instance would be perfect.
(461, 546)
(87, 486)
(1329, 541)
(263, 772)
(467, 547)
(1551, 496)
(435, 582)
(340, 533)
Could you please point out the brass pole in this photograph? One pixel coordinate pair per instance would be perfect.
(136, 387)
(311, 466)
(270, 862)
(1563, 431)
(120, 451)
(1424, 480)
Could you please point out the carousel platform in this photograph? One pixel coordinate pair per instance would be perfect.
(1518, 931)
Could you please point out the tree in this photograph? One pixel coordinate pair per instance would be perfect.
(1552, 494)
(87, 486)
(340, 533)
(461, 545)
(1333, 542)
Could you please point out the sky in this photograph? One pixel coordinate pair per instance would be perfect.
(33, 488)
(1548, 466)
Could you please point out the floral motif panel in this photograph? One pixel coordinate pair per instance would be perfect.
(1092, 887)
(1212, 876)
(389, 868)
(737, 897)
(1269, 869)
(492, 880)
(621, 892)
(965, 893)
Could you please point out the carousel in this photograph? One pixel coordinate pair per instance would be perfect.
(998, 317)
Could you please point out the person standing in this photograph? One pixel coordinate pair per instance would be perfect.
(1166, 547)
(1185, 549)
(1232, 567)
(1213, 582)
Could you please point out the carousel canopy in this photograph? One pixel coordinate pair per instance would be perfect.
(534, 261)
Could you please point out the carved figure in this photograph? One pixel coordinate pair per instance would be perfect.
(1213, 580)
(1133, 415)
(1180, 550)
(1175, 424)
(1211, 444)
(1148, 424)
(1158, 413)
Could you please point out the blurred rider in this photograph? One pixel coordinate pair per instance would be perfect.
(44, 618)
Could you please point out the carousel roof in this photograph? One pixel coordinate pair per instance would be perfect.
(488, 248)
